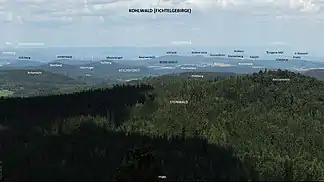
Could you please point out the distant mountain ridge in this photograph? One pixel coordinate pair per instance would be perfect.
(134, 69)
(130, 52)
(197, 59)
(71, 62)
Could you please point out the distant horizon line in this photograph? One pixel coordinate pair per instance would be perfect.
(96, 59)
(135, 46)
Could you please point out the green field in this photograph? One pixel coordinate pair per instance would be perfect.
(5, 93)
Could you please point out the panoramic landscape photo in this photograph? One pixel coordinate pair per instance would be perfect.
(208, 90)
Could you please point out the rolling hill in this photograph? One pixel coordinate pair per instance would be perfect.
(20, 83)
(316, 73)
(244, 127)
(95, 72)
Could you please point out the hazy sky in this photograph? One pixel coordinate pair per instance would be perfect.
(297, 23)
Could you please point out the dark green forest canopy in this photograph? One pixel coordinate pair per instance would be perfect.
(273, 128)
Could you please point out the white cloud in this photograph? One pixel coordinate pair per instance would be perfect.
(28, 8)
(210, 20)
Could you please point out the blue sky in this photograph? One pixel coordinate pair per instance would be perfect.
(294, 23)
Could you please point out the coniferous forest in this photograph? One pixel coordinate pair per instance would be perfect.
(245, 127)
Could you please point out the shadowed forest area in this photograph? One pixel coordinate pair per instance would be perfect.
(95, 153)
(238, 128)
(35, 111)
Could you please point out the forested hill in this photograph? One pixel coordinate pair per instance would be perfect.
(317, 73)
(20, 83)
(252, 127)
